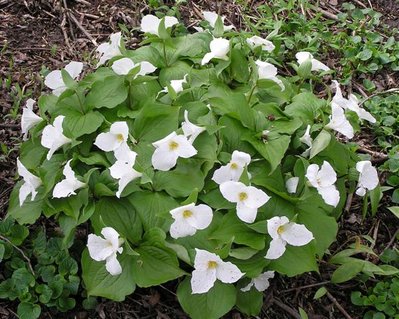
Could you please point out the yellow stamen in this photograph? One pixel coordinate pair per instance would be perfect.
(173, 145)
(187, 213)
(212, 264)
(233, 166)
(242, 196)
(280, 230)
(119, 137)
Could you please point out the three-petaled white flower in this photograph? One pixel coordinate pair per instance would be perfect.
(101, 249)
(261, 282)
(307, 139)
(316, 64)
(55, 81)
(267, 71)
(208, 268)
(248, 199)
(169, 149)
(284, 232)
(292, 184)
(31, 183)
(112, 140)
(176, 85)
(368, 177)
(190, 218)
(123, 169)
(211, 17)
(110, 49)
(29, 119)
(233, 170)
(150, 23)
(351, 104)
(69, 185)
(257, 41)
(125, 65)
(53, 137)
(190, 130)
(323, 180)
(338, 121)
(219, 49)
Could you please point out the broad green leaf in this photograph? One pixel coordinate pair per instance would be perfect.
(305, 69)
(99, 282)
(78, 124)
(306, 106)
(27, 310)
(239, 65)
(394, 210)
(32, 153)
(303, 313)
(346, 272)
(250, 302)
(108, 93)
(320, 143)
(375, 197)
(320, 292)
(218, 301)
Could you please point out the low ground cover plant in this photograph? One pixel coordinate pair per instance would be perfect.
(191, 158)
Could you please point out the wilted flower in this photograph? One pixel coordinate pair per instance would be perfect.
(316, 64)
(150, 23)
(125, 65)
(291, 184)
(109, 49)
(54, 79)
(29, 119)
(190, 130)
(323, 180)
(284, 232)
(53, 137)
(69, 185)
(248, 199)
(211, 17)
(208, 268)
(338, 121)
(106, 249)
(233, 170)
(31, 183)
(267, 71)
(190, 218)
(117, 135)
(256, 41)
(307, 139)
(123, 169)
(169, 149)
(261, 282)
(368, 177)
(219, 49)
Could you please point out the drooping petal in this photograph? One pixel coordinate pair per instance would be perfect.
(312, 174)
(74, 69)
(190, 130)
(109, 50)
(181, 228)
(339, 123)
(146, 68)
(273, 225)
(291, 184)
(107, 142)
(241, 158)
(126, 179)
(220, 47)
(306, 138)
(53, 137)
(163, 160)
(112, 265)
(248, 287)
(24, 192)
(228, 273)
(330, 195)
(54, 80)
(227, 173)
(256, 41)
(185, 149)
(296, 235)
(276, 249)
(202, 280)
(99, 248)
(170, 21)
(368, 177)
(361, 191)
(326, 176)
(256, 197)
(150, 24)
(123, 66)
(262, 281)
(317, 65)
(29, 119)
(112, 236)
(245, 213)
(211, 17)
(201, 217)
(63, 189)
(207, 57)
(230, 190)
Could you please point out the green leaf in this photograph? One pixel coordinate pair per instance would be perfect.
(305, 69)
(32, 153)
(239, 66)
(250, 302)
(375, 197)
(394, 210)
(78, 124)
(365, 55)
(27, 310)
(320, 143)
(346, 272)
(320, 292)
(108, 93)
(2, 250)
(219, 27)
(302, 313)
(305, 106)
(99, 282)
(218, 301)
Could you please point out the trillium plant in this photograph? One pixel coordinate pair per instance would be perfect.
(193, 158)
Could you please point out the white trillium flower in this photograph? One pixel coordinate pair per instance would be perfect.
(307, 139)
(368, 177)
(125, 65)
(169, 149)
(267, 71)
(31, 183)
(29, 119)
(316, 64)
(54, 79)
(150, 23)
(284, 232)
(233, 170)
(248, 199)
(123, 169)
(323, 180)
(211, 17)
(109, 49)
(190, 218)
(112, 140)
(292, 184)
(338, 121)
(261, 282)
(106, 248)
(219, 49)
(208, 268)
(53, 137)
(190, 130)
(256, 41)
(177, 85)
(69, 185)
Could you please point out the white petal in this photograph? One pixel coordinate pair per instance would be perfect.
(150, 24)
(74, 69)
(124, 153)
(256, 197)
(361, 191)
(317, 65)
(146, 68)
(245, 213)
(120, 127)
(202, 280)
(256, 41)
(123, 66)
(107, 142)
(329, 194)
(241, 158)
(109, 50)
(220, 47)
(190, 130)
(303, 56)
(202, 217)
(339, 123)
(119, 169)
(207, 57)
(226, 173)
(185, 149)
(266, 70)
(230, 190)
(312, 174)
(364, 115)
(274, 223)
(291, 184)
(276, 249)
(68, 172)
(53, 137)
(326, 175)
(248, 287)
(170, 21)
(202, 258)
(99, 248)
(24, 192)
(163, 160)
(112, 265)
(228, 273)
(296, 235)
(211, 17)
(65, 188)
(262, 281)
(368, 177)
(112, 236)
(306, 138)
(29, 119)
(181, 229)
(126, 179)
(54, 80)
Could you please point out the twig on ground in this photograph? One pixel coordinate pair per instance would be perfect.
(391, 241)
(360, 89)
(88, 35)
(286, 308)
(307, 286)
(21, 252)
(340, 308)
(348, 202)
(11, 126)
(378, 156)
(360, 4)
(326, 13)
(379, 93)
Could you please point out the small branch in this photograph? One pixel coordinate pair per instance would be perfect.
(12, 126)
(88, 35)
(326, 13)
(379, 157)
(340, 308)
(392, 239)
(348, 202)
(307, 286)
(286, 308)
(379, 93)
(21, 252)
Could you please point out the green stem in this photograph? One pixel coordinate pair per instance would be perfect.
(164, 53)
(251, 93)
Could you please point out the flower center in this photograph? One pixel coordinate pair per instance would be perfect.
(280, 230)
(242, 196)
(212, 264)
(187, 213)
(173, 145)
(233, 166)
(120, 137)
